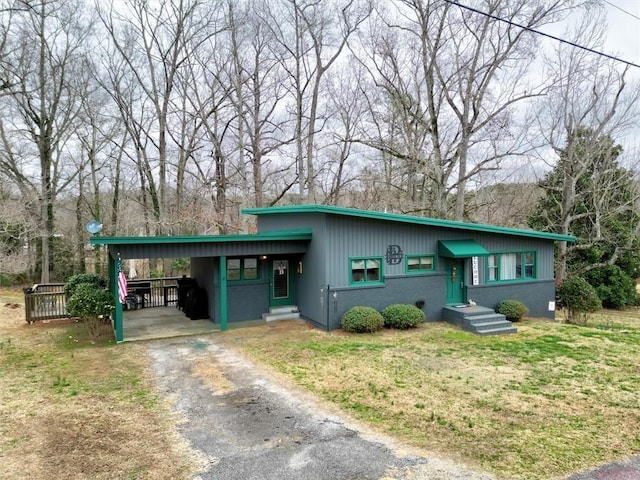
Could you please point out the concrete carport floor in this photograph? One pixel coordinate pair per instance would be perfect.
(161, 322)
(245, 424)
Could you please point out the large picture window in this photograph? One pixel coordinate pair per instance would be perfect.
(366, 270)
(420, 263)
(242, 268)
(511, 266)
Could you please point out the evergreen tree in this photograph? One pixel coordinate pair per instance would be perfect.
(589, 195)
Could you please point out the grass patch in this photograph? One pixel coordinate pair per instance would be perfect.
(543, 403)
(72, 408)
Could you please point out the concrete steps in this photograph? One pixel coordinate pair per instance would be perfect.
(477, 319)
(287, 312)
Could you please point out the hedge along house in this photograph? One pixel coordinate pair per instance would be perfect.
(319, 261)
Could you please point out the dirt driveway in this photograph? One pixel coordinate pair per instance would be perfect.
(246, 424)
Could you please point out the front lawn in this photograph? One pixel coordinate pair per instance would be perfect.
(543, 403)
(75, 409)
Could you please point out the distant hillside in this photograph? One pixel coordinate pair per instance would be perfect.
(503, 204)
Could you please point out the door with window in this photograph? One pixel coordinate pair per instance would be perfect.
(280, 284)
(455, 281)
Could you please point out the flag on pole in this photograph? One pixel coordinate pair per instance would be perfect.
(122, 283)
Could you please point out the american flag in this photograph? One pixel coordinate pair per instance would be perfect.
(122, 283)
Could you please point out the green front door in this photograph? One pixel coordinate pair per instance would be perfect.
(280, 285)
(455, 281)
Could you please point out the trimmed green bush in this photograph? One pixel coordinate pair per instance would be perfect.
(89, 301)
(362, 320)
(402, 316)
(93, 278)
(578, 298)
(512, 309)
(92, 305)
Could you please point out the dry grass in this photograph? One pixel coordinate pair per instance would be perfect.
(540, 404)
(548, 401)
(73, 410)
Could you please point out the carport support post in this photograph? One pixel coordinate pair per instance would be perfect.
(223, 292)
(117, 312)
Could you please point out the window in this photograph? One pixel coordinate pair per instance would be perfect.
(233, 269)
(420, 264)
(492, 268)
(511, 266)
(250, 269)
(366, 270)
(242, 268)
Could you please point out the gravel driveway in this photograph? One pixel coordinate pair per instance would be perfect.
(246, 425)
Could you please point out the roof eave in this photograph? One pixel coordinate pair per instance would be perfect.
(479, 227)
(282, 235)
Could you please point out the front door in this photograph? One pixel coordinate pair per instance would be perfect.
(455, 281)
(280, 291)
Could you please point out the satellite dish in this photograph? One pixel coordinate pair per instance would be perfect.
(93, 227)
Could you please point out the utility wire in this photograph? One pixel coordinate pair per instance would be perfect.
(561, 40)
(622, 10)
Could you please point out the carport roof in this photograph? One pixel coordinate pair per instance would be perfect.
(394, 217)
(294, 234)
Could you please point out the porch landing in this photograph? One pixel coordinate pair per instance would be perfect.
(477, 319)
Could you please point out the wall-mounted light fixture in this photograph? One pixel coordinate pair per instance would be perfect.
(263, 257)
(300, 268)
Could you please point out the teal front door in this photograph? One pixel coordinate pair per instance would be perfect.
(455, 281)
(280, 284)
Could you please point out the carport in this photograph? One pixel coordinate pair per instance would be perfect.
(243, 275)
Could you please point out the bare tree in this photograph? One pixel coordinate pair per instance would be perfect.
(101, 140)
(591, 103)
(17, 227)
(347, 109)
(264, 92)
(455, 77)
(155, 41)
(44, 47)
(311, 42)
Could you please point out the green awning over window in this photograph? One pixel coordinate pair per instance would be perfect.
(460, 249)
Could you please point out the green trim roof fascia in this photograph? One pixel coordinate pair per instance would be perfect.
(460, 249)
(294, 234)
(396, 217)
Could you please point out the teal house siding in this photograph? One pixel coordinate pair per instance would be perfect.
(339, 235)
(319, 242)
(204, 269)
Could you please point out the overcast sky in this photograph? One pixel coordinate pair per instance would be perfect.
(623, 30)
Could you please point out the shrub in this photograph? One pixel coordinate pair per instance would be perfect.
(578, 298)
(402, 316)
(512, 309)
(89, 302)
(615, 288)
(362, 320)
(92, 278)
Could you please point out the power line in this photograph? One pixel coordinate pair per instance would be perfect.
(622, 10)
(553, 37)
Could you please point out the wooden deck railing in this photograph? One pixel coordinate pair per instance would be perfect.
(44, 302)
(48, 301)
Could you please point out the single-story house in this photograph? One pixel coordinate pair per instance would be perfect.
(320, 260)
